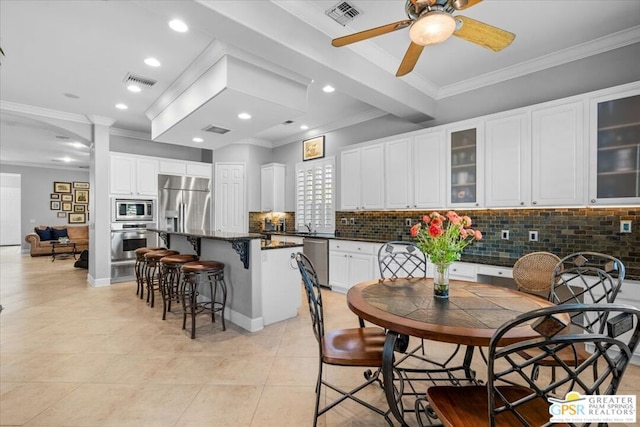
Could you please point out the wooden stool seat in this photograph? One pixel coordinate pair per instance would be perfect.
(153, 272)
(169, 280)
(193, 275)
(139, 269)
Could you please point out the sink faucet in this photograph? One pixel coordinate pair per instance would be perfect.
(308, 227)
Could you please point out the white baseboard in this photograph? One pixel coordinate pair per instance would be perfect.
(251, 325)
(98, 283)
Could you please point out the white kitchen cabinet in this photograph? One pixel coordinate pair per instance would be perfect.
(429, 171)
(133, 176)
(200, 170)
(280, 281)
(507, 161)
(362, 177)
(398, 173)
(465, 160)
(463, 271)
(558, 155)
(614, 134)
(172, 167)
(272, 186)
(351, 263)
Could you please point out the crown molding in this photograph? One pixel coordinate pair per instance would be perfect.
(581, 51)
(77, 168)
(100, 120)
(145, 136)
(253, 141)
(43, 112)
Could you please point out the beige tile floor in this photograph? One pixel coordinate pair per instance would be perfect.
(73, 355)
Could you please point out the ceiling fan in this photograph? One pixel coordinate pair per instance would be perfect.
(431, 22)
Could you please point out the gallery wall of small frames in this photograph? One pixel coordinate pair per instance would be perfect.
(71, 200)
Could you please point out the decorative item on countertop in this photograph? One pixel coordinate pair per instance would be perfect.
(442, 238)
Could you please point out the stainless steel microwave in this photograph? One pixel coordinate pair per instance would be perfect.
(132, 210)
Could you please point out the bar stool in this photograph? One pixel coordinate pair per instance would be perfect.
(152, 271)
(170, 279)
(193, 274)
(139, 268)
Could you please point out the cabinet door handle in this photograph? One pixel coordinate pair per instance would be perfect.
(521, 203)
(500, 272)
(534, 203)
(593, 200)
(408, 206)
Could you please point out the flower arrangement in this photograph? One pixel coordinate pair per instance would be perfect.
(442, 238)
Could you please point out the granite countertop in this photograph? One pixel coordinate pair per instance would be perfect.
(274, 244)
(209, 234)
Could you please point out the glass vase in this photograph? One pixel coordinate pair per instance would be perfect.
(441, 281)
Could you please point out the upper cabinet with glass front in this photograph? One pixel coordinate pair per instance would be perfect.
(465, 166)
(615, 148)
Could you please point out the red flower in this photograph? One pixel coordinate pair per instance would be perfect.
(415, 229)
(435, 231)
(436, 221)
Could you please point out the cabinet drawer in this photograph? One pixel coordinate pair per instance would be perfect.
(357, 247)
(463, 271)
(490, 270)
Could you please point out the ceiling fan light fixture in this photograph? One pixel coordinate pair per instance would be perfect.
(432, 27)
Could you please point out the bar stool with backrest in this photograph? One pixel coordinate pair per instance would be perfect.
(170, 279)
(139, 268)
(195, 274)
(152, 271)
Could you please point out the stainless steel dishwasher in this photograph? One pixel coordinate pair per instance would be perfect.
(317, 250)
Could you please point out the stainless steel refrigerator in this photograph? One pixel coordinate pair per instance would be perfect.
(184, 203)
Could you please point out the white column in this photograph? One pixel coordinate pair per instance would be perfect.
(99, 204)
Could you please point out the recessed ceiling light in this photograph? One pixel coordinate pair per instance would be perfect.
(134, 88)
(304, 127)
(179, 26)
(66, 159)
(121, 106)
(152, 62)
(328, 89)
(244, 116)
(196, 139)
(77, 144)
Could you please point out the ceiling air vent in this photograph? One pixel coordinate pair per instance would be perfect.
(139, 80)
(216, 129)
(288, 122)
(342, 12)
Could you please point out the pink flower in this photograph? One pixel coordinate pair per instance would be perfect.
(426, 219)
(466, 221)
(435, 231)
(415, 229)
(477, 235)
(435, 215)
(463, 233)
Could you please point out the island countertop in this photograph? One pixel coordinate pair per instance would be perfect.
(210, 234)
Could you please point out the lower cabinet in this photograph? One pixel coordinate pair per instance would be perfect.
(351, 263)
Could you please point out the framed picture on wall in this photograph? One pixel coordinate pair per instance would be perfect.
(55, 196)
(61, 187)
(313, 148)
(67, 197)
(66, 206)
(81, 196)
(81, 185)
(54, 205)
(62, 215)
(77, 218)
(79, 208)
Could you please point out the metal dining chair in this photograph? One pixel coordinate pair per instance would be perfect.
(357, 347)
(582, 277)
(511, 397)
(533, 272)
(399, 259)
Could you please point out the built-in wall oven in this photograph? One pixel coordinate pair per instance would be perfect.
(125, 239)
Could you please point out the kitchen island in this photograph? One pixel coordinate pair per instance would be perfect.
(258, 275)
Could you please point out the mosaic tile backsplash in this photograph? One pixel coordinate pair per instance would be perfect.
(561, 231)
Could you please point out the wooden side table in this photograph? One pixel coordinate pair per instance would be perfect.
(68, 244)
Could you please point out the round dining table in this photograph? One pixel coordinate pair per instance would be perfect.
(470, 316)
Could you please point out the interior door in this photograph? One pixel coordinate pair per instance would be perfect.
(10, 216)
(230, 198)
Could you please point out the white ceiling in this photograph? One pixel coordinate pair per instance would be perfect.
(85, 48)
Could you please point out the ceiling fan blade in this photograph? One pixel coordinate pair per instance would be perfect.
(482, 34)
(372, 32)
(410, 59)
(464, 4)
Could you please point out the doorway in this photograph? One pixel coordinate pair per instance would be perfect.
(229, 198)
(10, 212)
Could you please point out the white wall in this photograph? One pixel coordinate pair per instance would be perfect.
(10, 209)
(143, 147)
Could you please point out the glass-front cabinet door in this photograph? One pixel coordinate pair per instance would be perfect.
(615, 123)
(465, 188)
